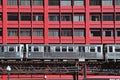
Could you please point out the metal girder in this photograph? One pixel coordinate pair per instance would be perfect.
(40, 68)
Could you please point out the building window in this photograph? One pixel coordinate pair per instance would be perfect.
(54, 2)
(54, 17)
(107, 2)
(66, 32)
(95, 32)
(95, 2)
(12, 16)
(0, 16)
(37, 17)
(118, 32)
(0, 2)
(0, 32)
(78, 2)
(25, 32)
(66, 17)
(25, 2)
(25, 16)
(117, 2)
(12, 2)
(95, 17)
(79, 32)
(66, 3)
(53, 32)
(12, 32)
(108, 17)
(108, 32)
(37, 2)
(118, 17)
(37, 32)
(79, 17)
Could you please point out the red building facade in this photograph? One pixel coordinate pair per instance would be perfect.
(59, 22)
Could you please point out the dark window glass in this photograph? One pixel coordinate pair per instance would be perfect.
(38, 17)
(53, 32)
(95, 17)
(36, 49)
(118, 33)
(12, 2)
(12, 32)
(57, 49)
(25, 2)
(110, 49)
(81, 49)
(92, 49)
(99, 49)
(117, 2)
(117, 17)
(108, 32)
(25, 32)
(12, 16)
(54, 17)
(64, 49)
(66, 32)
(54, 2)
(95, 2)
(29, 48)
(25, 16)
(0, 16)
(11, 49)
(37, 2)
(1, 49)
(47, 49)
(0, 2)
(108, 17)
(117, 49)
(95, 32)
(66, 17)
(70, 49)
(38, 32)
(79, 32)
(0, 32)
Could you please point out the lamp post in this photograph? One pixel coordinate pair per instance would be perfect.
(8, 70)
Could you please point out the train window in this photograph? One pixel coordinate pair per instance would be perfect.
(99, 49)
(70, 49)
(57, 49)
(29, 48)
(110, 49)
(81, 49)
(64, 49)
(92, 49)
(47, 49)
(11, 49)
(18, 48)
(117, 49)
(1, 49)
(36, 49)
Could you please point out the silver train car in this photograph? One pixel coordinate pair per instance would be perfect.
(112, 52)
(64, 51)
(11, 51)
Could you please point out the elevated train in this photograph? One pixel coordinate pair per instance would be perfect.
(79, 52)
